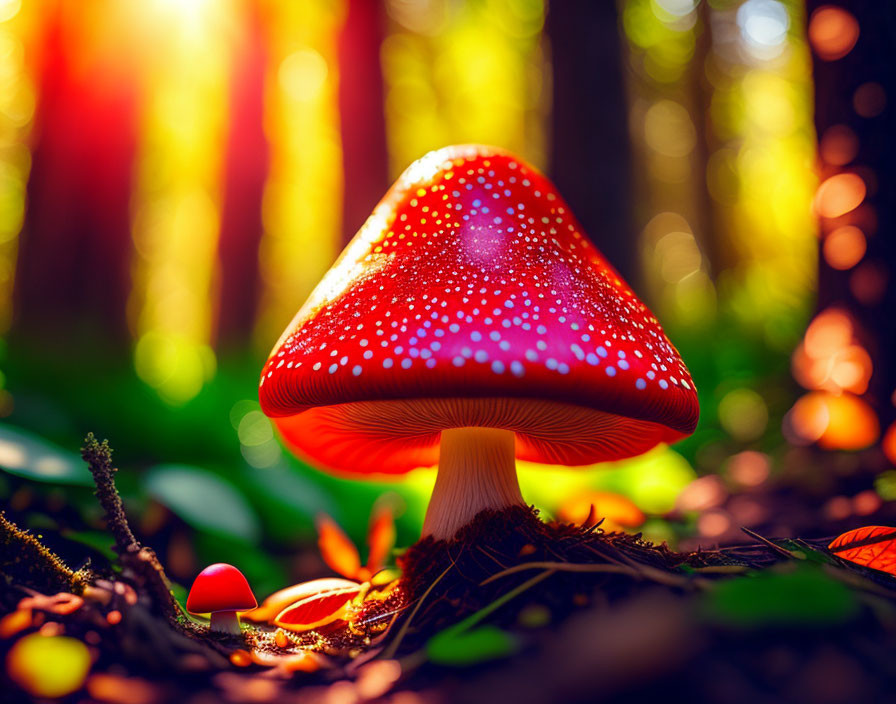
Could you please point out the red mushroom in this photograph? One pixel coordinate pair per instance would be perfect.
(222, 591)
(468, 322)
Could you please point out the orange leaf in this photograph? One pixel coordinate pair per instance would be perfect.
(336, 549)
(279, 600)
(317, 610)
(871, 546)
(380, 538)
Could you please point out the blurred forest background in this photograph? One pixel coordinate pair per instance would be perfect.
(176, 175)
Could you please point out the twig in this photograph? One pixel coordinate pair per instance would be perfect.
(475, 618)
(389, 652)
(142, 561)
(25, 554)
(419, 657)
(562, 567)
(98, 456)
(636, 572)
(765, 541)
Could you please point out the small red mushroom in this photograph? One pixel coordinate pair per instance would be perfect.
(470, 321)
(222, 591)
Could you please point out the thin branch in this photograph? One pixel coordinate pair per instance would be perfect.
(768, 543)
(475, 618)
(25, 556)
(142, 561)
(636, 572)
(98, 456)
(389, 652)
(563, 567)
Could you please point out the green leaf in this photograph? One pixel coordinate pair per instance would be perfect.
(204, 500)
(32, 457)
(99, 541)
(458, 647)
(805, 596)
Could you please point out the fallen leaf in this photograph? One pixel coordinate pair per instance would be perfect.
(336, 549)
(317, 610)
(871, 546)
(380, 538)
(279, 600)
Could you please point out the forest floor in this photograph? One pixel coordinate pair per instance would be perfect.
(513, 609)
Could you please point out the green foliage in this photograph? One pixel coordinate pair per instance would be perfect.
(458, 647)
(804, 596)
(96, 540)
(204, 500)
(32, 457)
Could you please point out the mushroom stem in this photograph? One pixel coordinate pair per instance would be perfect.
(477, 471)
(225, 622)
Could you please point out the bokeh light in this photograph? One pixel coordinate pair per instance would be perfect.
(834, 422)
(839, 145)
(831, 357)
(844, 247)
(870, 99)
(763, 25)
(840, 194)
(48, 666)
(617, 511)
(178, 194)
(302, 204)
(833, 32)
(18, 27)
(464, 72)
(889, 443)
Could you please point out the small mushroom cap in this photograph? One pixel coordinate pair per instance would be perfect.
(220, 587)
(472, 297)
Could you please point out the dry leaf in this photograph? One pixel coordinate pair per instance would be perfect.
(317, 610)
(871, 546)
(336, 549)
(279, 600)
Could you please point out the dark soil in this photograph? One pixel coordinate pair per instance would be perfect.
(591, 616)
(501, 550)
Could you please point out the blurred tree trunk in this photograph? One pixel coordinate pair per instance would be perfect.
(364, 153)
(590, 150)
(245, 173)
(868, 290)
(73, 271)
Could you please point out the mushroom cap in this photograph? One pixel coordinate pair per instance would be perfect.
(472, 297)
(220, 587)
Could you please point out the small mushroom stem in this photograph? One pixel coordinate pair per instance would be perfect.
(477, 471)
(225, 622)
